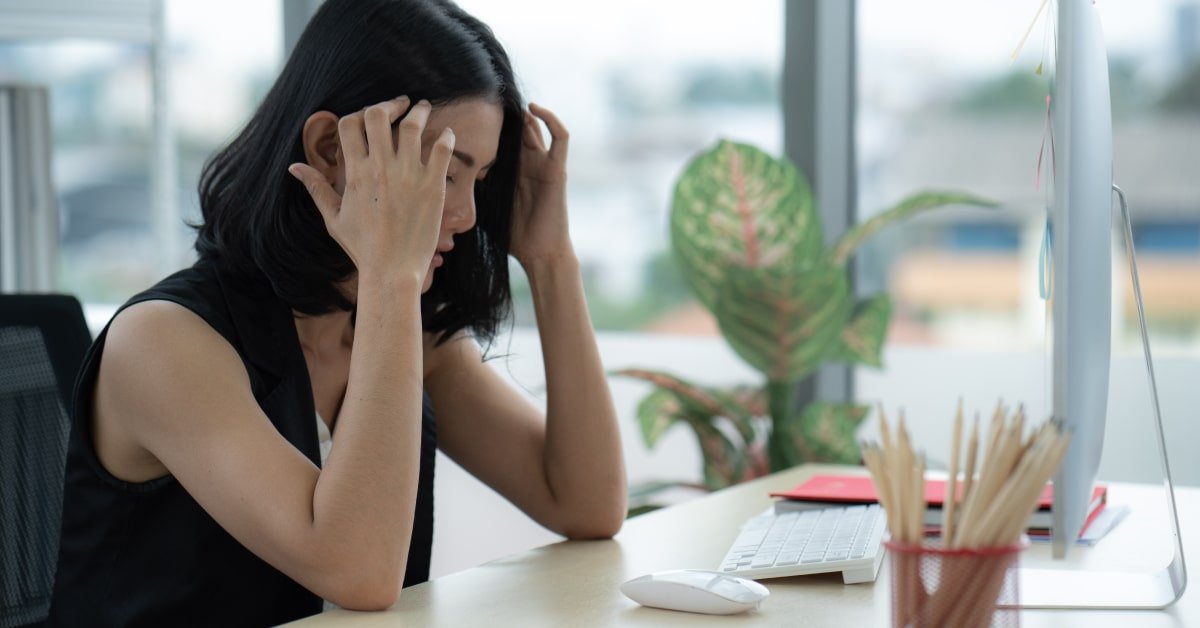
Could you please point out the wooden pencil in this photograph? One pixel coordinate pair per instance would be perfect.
(969, 472)
(951, 497)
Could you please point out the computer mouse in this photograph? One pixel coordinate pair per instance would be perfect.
(696, 591)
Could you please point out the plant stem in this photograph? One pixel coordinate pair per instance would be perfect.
(781, 402)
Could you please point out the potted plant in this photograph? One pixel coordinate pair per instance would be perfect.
(749, 242)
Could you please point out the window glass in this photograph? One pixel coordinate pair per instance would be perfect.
(222, 54)
(642, 86)
(942, 104)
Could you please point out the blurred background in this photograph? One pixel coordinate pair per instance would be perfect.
(938, 101)
(939, 104)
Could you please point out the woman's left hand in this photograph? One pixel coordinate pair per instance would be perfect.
(539, 229)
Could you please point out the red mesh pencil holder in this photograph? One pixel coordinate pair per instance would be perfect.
(934, 587)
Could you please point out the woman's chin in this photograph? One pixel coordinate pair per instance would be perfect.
(428, 280)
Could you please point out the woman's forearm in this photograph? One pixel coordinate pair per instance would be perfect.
(584, 468)
(366, 493)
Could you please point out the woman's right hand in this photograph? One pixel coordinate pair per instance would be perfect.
(389, 215)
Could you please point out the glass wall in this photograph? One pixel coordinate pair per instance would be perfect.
(642, 88)
(223, 55)
(942, 103)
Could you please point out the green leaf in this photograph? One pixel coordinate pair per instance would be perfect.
(862, 340)
(919, 202)
(674, 400)
(735, 206)
(724, 463)
(784, 321)
(741, 404)
(824, 432)
(735, 404)
(658, 411)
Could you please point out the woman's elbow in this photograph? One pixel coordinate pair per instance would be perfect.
(596, 528)
(367, 594)
(359, 582)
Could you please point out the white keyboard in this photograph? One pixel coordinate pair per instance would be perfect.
(847, 539)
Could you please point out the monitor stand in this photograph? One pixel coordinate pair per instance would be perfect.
(1076, 588)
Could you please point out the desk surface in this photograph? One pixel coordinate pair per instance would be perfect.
(575, 583)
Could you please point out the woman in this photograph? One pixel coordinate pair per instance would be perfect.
(339, 299)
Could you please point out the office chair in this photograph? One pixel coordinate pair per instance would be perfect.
(43, 339)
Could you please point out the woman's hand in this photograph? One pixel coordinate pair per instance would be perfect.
(387, 218)
(540, 215)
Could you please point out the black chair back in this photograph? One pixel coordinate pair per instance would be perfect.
(43, 339)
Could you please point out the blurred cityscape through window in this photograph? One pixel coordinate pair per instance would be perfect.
(642, 87)
(223, 55)
(943, 105)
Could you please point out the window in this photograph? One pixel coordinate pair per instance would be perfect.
(642, 88)
(222, 57)
(940, 105)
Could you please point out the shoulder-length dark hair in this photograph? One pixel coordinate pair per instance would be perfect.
(260, 223)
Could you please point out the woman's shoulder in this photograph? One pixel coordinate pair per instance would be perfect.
(194, 288)
(160, 329)
(205, 290)
(171, 319)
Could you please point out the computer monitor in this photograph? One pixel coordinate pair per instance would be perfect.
(1081, 228)
(1081, 302)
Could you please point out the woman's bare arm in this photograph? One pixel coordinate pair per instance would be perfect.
(181, 392)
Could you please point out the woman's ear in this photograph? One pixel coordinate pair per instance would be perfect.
(322, 150)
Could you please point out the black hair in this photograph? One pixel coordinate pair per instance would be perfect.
(260, 223)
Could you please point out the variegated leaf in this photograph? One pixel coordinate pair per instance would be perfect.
(724, 463)
(735, 206)
(862, 339)
(783, 321)
(702, 399)
(656, 412)
(824, 432)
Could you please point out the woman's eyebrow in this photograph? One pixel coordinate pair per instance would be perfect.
(469, 161)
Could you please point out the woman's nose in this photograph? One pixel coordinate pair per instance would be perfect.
(460, 214)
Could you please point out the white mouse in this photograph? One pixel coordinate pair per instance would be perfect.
(696, 591)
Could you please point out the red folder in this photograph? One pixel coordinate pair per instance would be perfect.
(859, 489)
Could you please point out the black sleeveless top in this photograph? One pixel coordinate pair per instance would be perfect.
(147, 554)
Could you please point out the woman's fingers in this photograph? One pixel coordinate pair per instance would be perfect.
(378, 119)
(439, 156)
(411, 127)
(559, 137)
(327, 200)
(532, 134)
(351, 137)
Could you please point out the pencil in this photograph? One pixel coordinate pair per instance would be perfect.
(969, 480)
(952, 481)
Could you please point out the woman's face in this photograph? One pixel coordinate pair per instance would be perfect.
(476, 123)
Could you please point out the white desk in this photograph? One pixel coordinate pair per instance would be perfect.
(575, 583)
